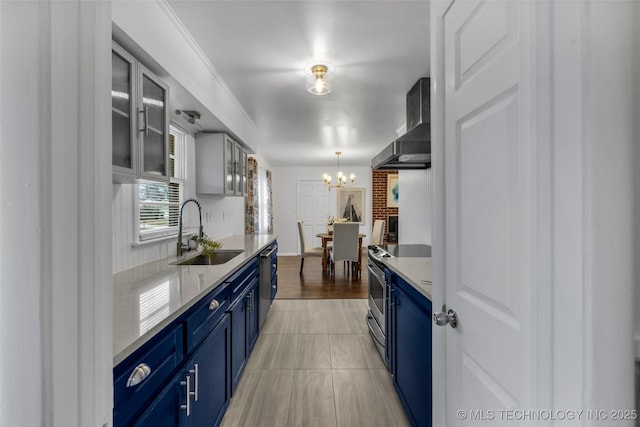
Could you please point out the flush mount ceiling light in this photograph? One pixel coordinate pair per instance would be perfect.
(319, 81)
(341, 178)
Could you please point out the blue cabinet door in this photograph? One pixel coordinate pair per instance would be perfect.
(166, 410)
(238, 340)
(411, 348)
(211, 384)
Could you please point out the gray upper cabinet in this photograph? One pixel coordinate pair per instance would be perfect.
(140, 121)
(221, 165)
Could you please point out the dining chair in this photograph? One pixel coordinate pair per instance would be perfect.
(377, 236)
(346, 246)
(304, 250)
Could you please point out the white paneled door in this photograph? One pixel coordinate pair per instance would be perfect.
(313, 209)
(488, 187)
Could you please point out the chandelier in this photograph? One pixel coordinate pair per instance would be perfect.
(341, 178)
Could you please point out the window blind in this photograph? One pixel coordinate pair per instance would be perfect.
(159, 203)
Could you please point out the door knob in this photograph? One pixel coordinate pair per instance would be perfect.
(444, 317)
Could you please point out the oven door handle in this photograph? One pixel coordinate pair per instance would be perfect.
(373, 271)
(372, 332)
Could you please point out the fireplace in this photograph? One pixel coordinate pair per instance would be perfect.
(392, 222)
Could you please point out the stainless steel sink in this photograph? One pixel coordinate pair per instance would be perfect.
(219, 257)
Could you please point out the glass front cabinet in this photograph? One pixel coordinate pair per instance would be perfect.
(140, 121)
(221, 165)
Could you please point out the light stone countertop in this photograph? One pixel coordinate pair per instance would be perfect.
(416, 271)
(149, 297)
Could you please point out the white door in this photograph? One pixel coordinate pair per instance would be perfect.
(487, 203)
(313, 209)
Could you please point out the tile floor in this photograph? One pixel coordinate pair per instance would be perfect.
(315, 365)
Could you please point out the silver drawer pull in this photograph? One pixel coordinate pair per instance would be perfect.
(213, 305)
(139, 374)
(187, 405)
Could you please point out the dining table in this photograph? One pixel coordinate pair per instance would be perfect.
(328, 237)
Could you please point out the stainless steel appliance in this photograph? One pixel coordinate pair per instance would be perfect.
(413, 149)
(378, 287)
(265, 282)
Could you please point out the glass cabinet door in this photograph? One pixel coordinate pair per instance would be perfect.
(244, 173)
(154, 125)
(124, 155)
(237, 159)
(229, 148)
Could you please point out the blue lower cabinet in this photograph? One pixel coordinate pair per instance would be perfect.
(140, 377)
(244, 329)
(211, 385)
(165, 410)
(185, 375)
(411, 351)
(238, 313)
(199, 395)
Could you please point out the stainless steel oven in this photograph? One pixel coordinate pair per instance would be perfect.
(376, 317)
(377, 297)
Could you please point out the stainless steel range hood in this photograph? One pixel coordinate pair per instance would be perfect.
(413, 149)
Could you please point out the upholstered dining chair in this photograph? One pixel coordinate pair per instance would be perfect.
(377, 236)
(304, 250)
(346, 246)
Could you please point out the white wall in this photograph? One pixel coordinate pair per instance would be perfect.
(285, 203)
(55, 281)
(612, 75)
(415, 206)
(221, 217)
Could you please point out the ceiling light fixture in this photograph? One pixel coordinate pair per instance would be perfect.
(319, 81)
(341, 178)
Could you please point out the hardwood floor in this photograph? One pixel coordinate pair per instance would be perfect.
(314, 285)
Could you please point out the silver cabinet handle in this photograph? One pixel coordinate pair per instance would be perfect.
(214, 304)
(187, 384)
(392, 299)
(139, 374)
(143, 116)
(194, 371)
(146, 121)
(444, 317)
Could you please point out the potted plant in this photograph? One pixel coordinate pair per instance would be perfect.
(332, 220)
(208, 246)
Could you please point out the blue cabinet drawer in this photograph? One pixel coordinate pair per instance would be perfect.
(240, 280)
(159, 358)
(204, 316)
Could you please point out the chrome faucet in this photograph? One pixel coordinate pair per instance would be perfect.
(182, 247)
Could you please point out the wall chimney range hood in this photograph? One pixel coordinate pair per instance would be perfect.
(413, 149)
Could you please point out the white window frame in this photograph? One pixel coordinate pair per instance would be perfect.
(180, 167)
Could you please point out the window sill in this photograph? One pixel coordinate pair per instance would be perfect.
(154, 240)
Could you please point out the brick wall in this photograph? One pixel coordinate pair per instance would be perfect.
(379, 198)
